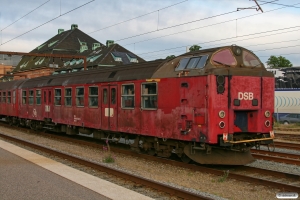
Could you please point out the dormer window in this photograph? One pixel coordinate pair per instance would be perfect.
(116, 57)
(93, 58)
(24, 65)
(41, 46)
(95, 46)
(132, 59)
(52, 43)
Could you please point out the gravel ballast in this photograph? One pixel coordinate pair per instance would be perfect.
(197, 182)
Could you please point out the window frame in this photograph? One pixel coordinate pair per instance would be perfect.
(189, 59)
(68, 96)
(91, 96)
(149, 95)
(79, 96)
(8, 98)
(57, 96)
(3, 96)
(38, 96)
(24, 97)
(127, 95)
(31, 97)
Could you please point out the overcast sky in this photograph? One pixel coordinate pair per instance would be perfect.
(167, 27)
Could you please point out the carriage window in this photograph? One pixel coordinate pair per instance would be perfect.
(57, 97)
(250, 60)
(14, 97)
(149, 95)
(8, 97)
(128, 96)
(113, 96)
(93, 96)
(24, 97)
(68, 96)
(3, 97)
(38, 97)
(30, 98)
(104, 96)
(224, 57)
(79, 96)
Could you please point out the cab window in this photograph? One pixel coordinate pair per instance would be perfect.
(250, 60)
(192, 63)
(224, 57)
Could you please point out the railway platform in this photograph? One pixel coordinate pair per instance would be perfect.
(27, 175)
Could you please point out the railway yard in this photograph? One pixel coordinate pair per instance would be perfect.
(274, 171)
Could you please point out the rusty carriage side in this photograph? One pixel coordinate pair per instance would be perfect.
(210, 106)
(235, 104)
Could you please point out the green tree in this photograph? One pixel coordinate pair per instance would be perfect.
(170, 56)
(277, 62)
(194, 47)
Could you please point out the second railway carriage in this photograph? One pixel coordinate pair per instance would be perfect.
(210, 106)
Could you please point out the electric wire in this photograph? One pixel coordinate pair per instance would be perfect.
(25, 15)
(203, 26)
(138, 17)
(210, 17)
(224, 39)
(46, 22)
(280, 4)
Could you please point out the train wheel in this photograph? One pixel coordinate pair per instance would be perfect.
(151, 152)
(285, 122)
(184, 158)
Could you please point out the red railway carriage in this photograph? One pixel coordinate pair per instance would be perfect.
(210, 106)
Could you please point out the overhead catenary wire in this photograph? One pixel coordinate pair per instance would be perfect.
(223, 39)
(216, 45)
(127, 20)
(146, 40)
(25, 15)
(46, 22)
(206, 18)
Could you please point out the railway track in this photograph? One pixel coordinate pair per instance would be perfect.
(233, 173)
(286, 145)
(295, 137)
(287, 158)
(120, 174)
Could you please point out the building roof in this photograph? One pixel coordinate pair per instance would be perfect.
(76, 42)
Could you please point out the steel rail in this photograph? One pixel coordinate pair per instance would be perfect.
(140, 180)
(201, 169)
(278, 154)
(286, 145)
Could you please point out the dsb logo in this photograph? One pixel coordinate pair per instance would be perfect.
(245, 95)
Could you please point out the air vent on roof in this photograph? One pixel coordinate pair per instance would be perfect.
(60, 31)
(109, 42)
(74, 26)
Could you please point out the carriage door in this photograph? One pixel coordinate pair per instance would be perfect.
(47, 101)
(109, 107)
